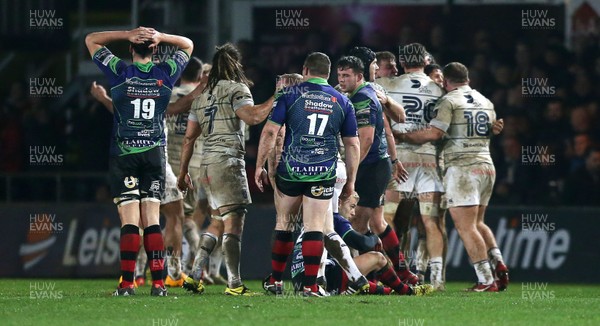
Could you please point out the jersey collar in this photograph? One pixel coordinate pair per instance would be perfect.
(144, 67)
(318, 81)
(364, 83)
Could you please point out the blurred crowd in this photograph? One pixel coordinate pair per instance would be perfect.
(547, 94)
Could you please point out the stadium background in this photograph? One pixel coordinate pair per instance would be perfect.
(538, 61)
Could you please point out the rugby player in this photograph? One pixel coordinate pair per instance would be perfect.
(464, 116)
(141, 93)
(332, 240)
(218, 117)
(375, 169)
(418, 94)
(172, 205)
(183, 224)
(306, 173)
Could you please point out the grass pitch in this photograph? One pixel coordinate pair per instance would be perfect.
(88, 302)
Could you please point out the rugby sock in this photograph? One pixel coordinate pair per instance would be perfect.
(215, 260)
(391, 279)
(339, 250)
(282, 248)
(207, 244)
(192, 236)
(312, 249)
(496, 256)
(155, 249)
(129, 245)
(232, 249)
(437, 266)
(484, 272)
(173, 264)
(391, 246)
(374, 288)
(140, 263)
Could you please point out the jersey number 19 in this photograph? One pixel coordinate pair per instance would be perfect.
(145, 107)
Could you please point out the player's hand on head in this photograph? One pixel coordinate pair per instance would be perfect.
(141, 34)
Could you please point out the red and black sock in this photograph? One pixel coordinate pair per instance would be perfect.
(282, 248)
(129, 245)
(155, 249)
(312, 249)
(391, 279)
(391, 246)
(375, 288)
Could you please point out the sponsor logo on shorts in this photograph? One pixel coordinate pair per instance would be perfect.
(155, 185)
(130, 182)
(320, 191)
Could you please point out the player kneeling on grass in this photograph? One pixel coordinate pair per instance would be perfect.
(140, 93)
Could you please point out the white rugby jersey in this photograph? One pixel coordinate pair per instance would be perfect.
(223, 131)
(418, 95)
(176, 127)
(466, 116)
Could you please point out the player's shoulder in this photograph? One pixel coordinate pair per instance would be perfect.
(228, 86)
(391, 82)
(481, 98)
(366, 93)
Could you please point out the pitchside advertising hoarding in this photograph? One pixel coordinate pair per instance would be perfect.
(82, 240)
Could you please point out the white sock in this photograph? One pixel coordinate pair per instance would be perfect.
(436, 265)
(346, 260)
(496, 256)
(216, 260)
(484, 272)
